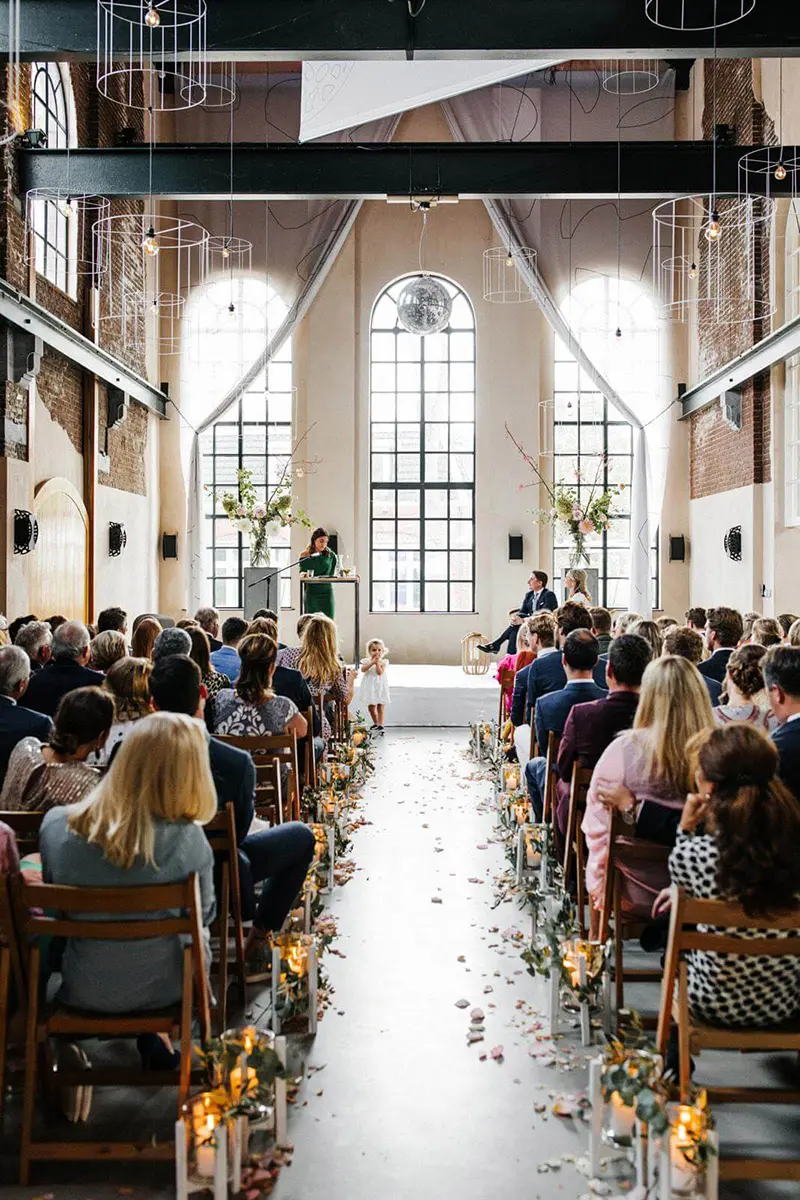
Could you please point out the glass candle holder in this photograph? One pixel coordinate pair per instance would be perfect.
(687, 1136)
(204, 1118)
(619, 1119)
(511, 777)
(294, 979)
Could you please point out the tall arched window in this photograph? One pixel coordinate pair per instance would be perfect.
(51, 224)
(422, 461)
(791, 429)
(255, 432)
(592, 440)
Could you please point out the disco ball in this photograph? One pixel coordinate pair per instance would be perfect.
(424, 305)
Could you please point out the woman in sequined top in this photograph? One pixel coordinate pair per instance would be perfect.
(40, 776)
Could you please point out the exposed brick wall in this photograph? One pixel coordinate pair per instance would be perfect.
(721, 458)
(127, 445)
(60, 387)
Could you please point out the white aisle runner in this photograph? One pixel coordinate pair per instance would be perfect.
(437, 696)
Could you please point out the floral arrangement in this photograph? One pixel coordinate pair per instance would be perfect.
(579, 517)
(221, 1056)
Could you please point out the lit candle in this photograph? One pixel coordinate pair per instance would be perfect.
(621, 1117)
(236, 1082)
(511, 778)
(204, 1122)
(683, 1138)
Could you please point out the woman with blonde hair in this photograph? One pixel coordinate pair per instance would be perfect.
(577, 587)
(142, 825)
(766, 632)
(317, 660)
(128, 685)
(651, 633)
(144, 636)
(106, 649)
(649, 762)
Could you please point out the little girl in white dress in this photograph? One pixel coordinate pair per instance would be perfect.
(374, 689)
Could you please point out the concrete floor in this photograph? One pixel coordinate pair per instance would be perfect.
(398, 1104)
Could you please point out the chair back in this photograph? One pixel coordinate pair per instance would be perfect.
(26, 826)
(310, 771)
(221, 835)
(553, 743)
(506, 691)
(339, 718)
(264, 750)
(9, 943)
(637, 871)
(578, 791)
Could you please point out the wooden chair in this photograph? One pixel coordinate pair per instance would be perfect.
(26, 826)
(310, 771)
(534, 749)
(689, 931)
(221, 833)
(340, 721)
(506, 690)
(282, 746)
(575, 846)
(126, 904)
(10, 969)
(550, 777)
(629, 857)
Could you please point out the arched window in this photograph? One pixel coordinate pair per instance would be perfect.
(592, 440)
(422, 461)
(791, 430)
(51, 225)
(255, 432)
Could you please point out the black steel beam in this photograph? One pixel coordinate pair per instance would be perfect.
(282, 30)
(470, 170)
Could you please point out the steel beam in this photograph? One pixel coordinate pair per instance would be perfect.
(283, 30)
(471, 170)
(771, 350)
(24, 313)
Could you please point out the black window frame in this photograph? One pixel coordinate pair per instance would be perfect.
(51, 112)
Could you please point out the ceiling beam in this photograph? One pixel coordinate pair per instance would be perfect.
(471, 170)
(775, 348)
(282, 30)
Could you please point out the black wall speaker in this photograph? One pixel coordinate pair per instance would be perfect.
(677, 548)
(333, 542)
(515, 551)
(117, 539)
(169, 545)
(26, 531)
(733, 543)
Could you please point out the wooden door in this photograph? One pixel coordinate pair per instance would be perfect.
(59, 580)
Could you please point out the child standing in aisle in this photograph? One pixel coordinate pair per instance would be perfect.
(374, 690)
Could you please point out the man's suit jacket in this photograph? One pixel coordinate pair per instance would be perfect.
(714, 690)
(787, 740)
(49, 686)
(715, 666)
(289, 683)
(15, 724)
(544, 599)
(589, 729)
(519, 697)
(657, 823)
(553, 709)
(234, 778)
(547, 674)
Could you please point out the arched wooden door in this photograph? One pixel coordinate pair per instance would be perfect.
(59, 581)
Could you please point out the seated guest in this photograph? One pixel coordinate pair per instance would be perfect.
(576, 587)
(591, 727)
(55, 621)
(266, 614)
(601, 628)
(537, 597)
(279, 856)
(5, 640)
(251, 708)
(515, 662)
(651, 634)
(696, 619)
(115, 619)
(144, 637)
(288, 682)
(16, 722)
(317, 660)
(623, 622)
(42, 776)
(724, 629)
(793, 636)
(687, 643)
(542, 638)
(649, 762)
(579, 658)
(743, 690)
(36, 639)
(141, 826)
(187, 623)
(68, 669)
(665, 623)
(786, 621)
(766, 632)
(105, 649)
(739, 804)
(781, 667)
(200, 652)
(289, 655)
(127, 683)
(19, 623)
(208, 620)
(546, 674)
(171, 641)
(226, 659)
(748, 621)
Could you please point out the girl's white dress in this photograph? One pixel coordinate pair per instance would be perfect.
(374, 688)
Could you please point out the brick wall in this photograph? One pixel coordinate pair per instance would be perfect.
(721, 458)
(126, 448)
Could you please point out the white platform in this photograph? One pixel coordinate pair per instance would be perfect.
(437, 696)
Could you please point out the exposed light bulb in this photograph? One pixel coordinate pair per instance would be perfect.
(509, 259)
(150, 243)
(151, 17)
(618, 332)
(693, 271)
(66, 207)
(713, 229)
(226, 252)
(154, 308)
(780, 171)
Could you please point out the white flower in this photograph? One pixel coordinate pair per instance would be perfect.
(260, 511)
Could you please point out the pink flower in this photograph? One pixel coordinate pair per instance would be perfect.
(497, 1052)
(520, 487)
(577, 512)
(586, 526)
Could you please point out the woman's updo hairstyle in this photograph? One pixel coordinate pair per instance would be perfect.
(81, 717)
(744, 669)
(257, 653)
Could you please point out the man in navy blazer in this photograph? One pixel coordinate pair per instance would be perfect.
(66, 671)
(16, 723)
(537, 598)
(547, 672)
(542, 632)
(724, 629)
(781, 667)
(579, 656)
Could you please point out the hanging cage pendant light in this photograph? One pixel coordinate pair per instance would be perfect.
(506, 272)
(697, 15)
(165, 37)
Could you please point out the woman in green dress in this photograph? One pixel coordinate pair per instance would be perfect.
(318, 560)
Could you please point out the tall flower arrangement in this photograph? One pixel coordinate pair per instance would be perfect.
(578, 516)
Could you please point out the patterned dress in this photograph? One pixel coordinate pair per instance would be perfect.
(725, 989)
(215, 682)
(235, 717)
(748, 714)
(336, 689)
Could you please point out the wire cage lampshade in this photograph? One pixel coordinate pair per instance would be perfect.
(229, 253)
(221, 89)
(89, 258)
(504, 274)
(770, 171)
(151, 54)
(547, 416)
(715, 255)
(696, 15)
(630, 76)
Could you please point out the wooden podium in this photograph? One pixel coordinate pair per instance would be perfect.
(337, 580)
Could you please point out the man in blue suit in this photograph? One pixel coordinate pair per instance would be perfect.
(579, 655)
(537, 598)
(547, 672)
(16, 723)
(781, 666)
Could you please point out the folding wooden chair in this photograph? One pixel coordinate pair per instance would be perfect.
(10, 969)
(33, 903)
(221, 833)
(26, 826)
(310, 771)
(705, 925)
(506, 690)
(628, 900)
(575, 847)
(550, 777)
(339, 718)
(262, 750)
